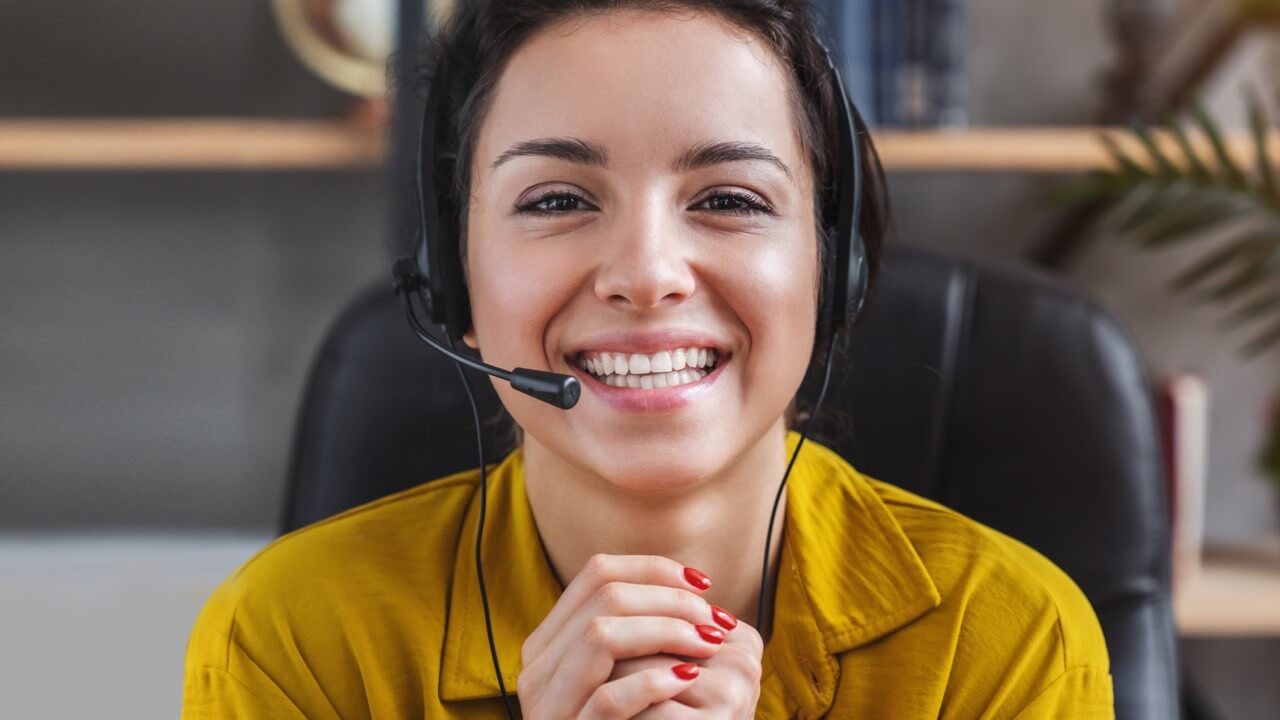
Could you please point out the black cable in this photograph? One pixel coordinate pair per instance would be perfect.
(428, 338)
(484, 498)
(484, 502)
(773, 514)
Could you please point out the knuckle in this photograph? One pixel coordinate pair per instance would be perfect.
(599, 632)
(598, 566)
(649, 684)
(611, 597)
(661, 565)
(691, 604)
(606, 701)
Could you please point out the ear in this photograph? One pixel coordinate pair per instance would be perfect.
(469, 337)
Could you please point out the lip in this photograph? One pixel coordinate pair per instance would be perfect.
(654, 400)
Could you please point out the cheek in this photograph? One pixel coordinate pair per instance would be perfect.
(515, 295)
(774, 293)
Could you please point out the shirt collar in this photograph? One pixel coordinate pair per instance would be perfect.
(847, 575)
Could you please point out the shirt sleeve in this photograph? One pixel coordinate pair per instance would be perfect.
(1083, 693)
(224, 679)
(210, 693)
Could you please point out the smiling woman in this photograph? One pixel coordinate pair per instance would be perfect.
(645, 197)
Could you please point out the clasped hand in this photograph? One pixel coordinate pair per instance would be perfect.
(632, 637)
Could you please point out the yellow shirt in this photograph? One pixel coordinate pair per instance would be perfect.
(888, 606)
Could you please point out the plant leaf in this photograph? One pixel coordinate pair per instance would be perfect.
(1234, 177)
(1214, 261)
(1258, 125)
(1195, 166)
(1192, 218)
(1254, 270)
(1243, 315)
(1159, 209)
(1262, 340)
(1096, 185)
(1163, 165)
(1123, 161)
(1149, 200)
(1194, 222)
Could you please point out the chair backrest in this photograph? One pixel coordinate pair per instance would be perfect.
(996, 391)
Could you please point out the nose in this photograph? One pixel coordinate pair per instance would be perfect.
(646, 265)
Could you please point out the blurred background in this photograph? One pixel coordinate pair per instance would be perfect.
(190, 192)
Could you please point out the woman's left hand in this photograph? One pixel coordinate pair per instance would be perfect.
(727, 687)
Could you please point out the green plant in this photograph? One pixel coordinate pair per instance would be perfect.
(1160, 199)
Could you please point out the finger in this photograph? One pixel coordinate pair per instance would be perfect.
(628, 696)
(747, 637)
(619, 599)
(631, 666)
(589, 663)
(668, 710)
(719, 686)
(599, 570)
(622, 599)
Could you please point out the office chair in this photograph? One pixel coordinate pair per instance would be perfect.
(996, 391)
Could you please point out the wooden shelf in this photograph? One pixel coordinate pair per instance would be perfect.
(1236, 591)
(259, 145)
(1036, 149)
(187, 144)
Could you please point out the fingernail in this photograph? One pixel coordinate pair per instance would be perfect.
(711, 633)
(697, 578)
(686, 671)
(723, 618)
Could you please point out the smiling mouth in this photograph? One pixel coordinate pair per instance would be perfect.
(668, 368)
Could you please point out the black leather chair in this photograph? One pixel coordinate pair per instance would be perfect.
(996, 391)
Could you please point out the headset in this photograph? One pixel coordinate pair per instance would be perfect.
(433, 275)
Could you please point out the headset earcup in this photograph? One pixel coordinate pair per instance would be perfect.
(859, 279)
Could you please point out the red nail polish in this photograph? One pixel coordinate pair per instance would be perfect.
(697, 578)
(711, 633)
(685, 671)
(723, 618)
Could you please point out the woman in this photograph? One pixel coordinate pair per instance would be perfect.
(643, 185)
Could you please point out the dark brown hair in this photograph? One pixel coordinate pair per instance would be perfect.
(471, 47)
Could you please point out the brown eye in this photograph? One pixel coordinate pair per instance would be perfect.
(737, 204)
(556, 203)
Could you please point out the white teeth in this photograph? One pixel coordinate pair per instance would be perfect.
(667, 368)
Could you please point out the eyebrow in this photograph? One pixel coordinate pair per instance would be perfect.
(584, 152)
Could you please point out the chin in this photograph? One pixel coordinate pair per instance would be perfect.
(659, 465)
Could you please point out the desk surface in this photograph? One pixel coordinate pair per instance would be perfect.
(1236, 591)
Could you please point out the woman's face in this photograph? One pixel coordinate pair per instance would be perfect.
(640, 193)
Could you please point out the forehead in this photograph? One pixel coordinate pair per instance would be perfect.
(646, 85)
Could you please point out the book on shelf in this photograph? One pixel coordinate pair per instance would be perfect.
(902, 60)
(1182, 408)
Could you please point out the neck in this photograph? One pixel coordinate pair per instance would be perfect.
(717, 525)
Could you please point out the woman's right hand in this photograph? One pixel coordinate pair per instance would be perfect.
(618, 607)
